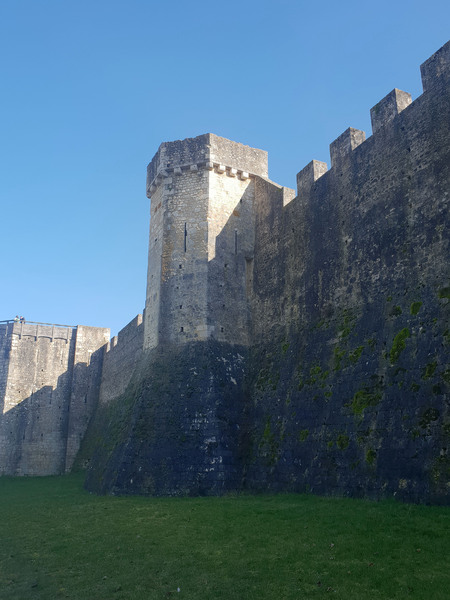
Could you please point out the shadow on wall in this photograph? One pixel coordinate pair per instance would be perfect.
(41, 435)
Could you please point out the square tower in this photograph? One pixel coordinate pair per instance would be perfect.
(201, 240)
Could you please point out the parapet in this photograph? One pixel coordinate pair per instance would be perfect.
(308, 175)
(388, 108)
(436, 70)
(126, 334)
(205, 151)
(43, 330)
(345, 143)
(181, 152)
(435, 74)
(241, 157)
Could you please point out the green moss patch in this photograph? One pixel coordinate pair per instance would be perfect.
(303, 435)
(444, 293)
(338, 357)
(355, 354)
(429, 370)
(371, 456)
(342, 441)
(446, 376)
(415, 307)
(399, 344)
(362, 399)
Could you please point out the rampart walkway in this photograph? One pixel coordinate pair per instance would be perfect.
(37, 330)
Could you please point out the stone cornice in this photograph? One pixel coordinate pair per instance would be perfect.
(220, 169)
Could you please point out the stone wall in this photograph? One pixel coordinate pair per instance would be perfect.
(121, 356)
(338, 299)
(178, 429)
(5, 348)
(349, 373)
(84, 395)
(39, 435)
(288, 342)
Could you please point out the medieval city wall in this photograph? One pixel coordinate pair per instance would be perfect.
(90, 347)
(175, 429)
(343, 388)
(120, 358)
(39, 394)
(292, 343)
(5, 348)
(350, 373)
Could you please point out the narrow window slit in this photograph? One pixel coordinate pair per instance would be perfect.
(185, 236)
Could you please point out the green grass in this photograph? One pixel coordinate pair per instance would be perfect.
(58, 541)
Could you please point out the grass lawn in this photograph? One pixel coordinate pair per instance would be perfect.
(58, 541)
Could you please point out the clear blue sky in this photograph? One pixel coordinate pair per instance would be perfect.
(90, 88)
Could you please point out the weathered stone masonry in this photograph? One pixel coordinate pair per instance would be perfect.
(349, 373)
(49, 383)
(288, 342)
(197, 266)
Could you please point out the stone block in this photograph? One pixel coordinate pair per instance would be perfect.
(436, 70)
(308, 175)
(388, 108)
(288, 195)
(345, 143)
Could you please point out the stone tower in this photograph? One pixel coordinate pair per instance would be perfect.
(202, 192)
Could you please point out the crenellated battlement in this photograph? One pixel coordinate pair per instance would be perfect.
(309, 175)
(388, 108)
(345, 143)
(435, 73)
(126, 334)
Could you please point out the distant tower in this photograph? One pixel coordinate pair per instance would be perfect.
(49, 384)
(202, 192)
